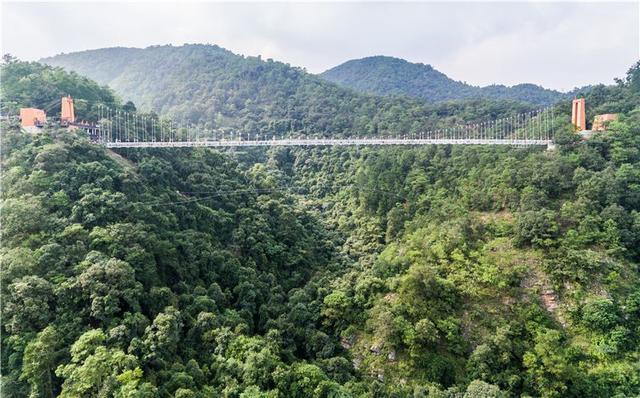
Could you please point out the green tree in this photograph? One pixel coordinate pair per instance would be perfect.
(549, 370)
(94, 369)
(39, 362)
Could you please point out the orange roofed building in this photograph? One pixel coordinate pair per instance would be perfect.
(32, 117)
(600, 121)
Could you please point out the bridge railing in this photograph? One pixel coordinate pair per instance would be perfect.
(325, 142)
(119, 129)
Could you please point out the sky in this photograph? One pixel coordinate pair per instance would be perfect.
(556, 45)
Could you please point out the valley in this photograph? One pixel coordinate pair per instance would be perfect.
(284, 271)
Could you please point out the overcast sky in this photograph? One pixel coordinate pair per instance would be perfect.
(557, 45)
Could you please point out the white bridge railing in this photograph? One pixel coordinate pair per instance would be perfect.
(325, 142)
(117, 129)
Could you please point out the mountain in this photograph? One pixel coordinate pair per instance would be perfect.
(210, 85)
(31, 84)
(393, 76)
(431, 271)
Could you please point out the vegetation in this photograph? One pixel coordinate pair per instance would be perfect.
(33, 85)
(429, 272)
(213, 87)
(393, 76)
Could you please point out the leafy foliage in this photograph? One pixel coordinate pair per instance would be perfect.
(434, 271)
(34, 85)
(211, 86)
(393, 76)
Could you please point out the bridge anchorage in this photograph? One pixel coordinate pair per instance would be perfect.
(118, 129)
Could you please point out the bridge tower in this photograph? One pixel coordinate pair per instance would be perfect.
(67, 114)
(578, 117)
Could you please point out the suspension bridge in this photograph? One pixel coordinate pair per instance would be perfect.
(119, 129)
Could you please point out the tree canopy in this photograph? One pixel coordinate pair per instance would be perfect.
(434, 271)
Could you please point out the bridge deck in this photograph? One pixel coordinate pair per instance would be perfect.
(325, 142)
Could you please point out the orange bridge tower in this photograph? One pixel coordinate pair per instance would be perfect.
(578, 118)
(67, 115)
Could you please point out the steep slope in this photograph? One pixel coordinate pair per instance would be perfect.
(433, 271)
(393, 76)
(208, 84)
(116, 272)
(30, 84)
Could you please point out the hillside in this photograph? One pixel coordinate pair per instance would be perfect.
(393, 76)
(30, 84)
(436, 271)
(210, 85)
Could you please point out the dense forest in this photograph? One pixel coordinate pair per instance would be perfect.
(34, 85)
(213, 87)
(393, 76)
(439, 271)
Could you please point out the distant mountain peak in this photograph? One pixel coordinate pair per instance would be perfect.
(389, 59)
(386, 75)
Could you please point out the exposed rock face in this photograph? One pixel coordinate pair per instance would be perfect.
(392, 355)
(549, 300)
(537, 282)
(346, 342)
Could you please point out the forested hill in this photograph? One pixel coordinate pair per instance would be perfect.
(208, 84)
(434, 271)
(33, 85)
(393, 76)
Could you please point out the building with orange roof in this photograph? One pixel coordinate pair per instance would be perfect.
(32, 117)
(600, 122)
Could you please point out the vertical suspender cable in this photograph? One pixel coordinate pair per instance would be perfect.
(552, 122)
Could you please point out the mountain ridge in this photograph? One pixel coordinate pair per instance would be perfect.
(385, 75)
(439, 271)
(210, 85)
